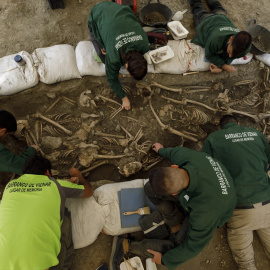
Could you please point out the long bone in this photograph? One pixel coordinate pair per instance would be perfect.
(184, 101)
(39, 115)
(170, 129)
(98, 133)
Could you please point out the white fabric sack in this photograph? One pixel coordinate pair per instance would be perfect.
(56, 63)
(87, 220)
(107, 197)
(14, 78)
(241, 60)
(265, 58)
(86, 62)
(187, 57)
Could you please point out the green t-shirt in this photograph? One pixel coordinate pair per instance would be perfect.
(213, 34)
(209, 199)
(115, 27)
(246, 153)
(10, 162)
(31, 214)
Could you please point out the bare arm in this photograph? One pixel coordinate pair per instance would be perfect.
(88, 190)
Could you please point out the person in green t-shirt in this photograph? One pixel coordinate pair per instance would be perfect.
(223, 42)
(35, 226)
(245, 152)
(199, 187)
(119, 40)
(10, 162)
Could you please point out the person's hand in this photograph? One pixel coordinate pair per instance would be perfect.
(75, 173)
(35, 146)
(215, 69)
(103, 51)
(157, 256)
(157, 146)
(74, 179)
(229, 68)
(125, 103)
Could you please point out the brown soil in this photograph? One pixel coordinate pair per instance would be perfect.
(154, 17)
(27, 25)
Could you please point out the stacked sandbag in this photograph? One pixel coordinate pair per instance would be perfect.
(56, 63)
(86, 63)
(265, 58)
(101, 212)
(15, 78)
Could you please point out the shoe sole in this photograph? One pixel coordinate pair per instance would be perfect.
(113, 251)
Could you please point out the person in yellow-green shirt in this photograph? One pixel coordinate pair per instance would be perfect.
(35, 227)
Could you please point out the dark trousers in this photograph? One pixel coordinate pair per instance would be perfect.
(171, 210)
(200, 13)
(97, 46)
(65, 256)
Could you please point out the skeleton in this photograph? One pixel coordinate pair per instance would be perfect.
(170, 129)
(39, 115)
(23, 129)
(86, 100)
(70, 101)
(90, 154)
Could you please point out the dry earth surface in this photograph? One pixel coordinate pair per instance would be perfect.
(27, 25)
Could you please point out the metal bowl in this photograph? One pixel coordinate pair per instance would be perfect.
(258, 32)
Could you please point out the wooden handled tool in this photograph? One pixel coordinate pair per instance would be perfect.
(141, 211)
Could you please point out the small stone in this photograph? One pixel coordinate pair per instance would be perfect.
(51, 95)
(117, 128)
(207, 261)
(79, 23)
(141, 109)
(80, 1)
(51, 142)
(261, 65)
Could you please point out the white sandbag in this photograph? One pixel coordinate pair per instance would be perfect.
(107, 197)
(242, 60)
(87, 220)
(56, 63)
(197, 61)
(265, 58)
(14, 78)
(86, 62)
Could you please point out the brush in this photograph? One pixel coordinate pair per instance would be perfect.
(141, 211)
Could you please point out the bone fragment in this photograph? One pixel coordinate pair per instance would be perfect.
(130, 118)
(53, 104)
(110, 100)
(98, 133)
(190, 73)
(170, 129)
(116, 112)
(38, 115)
(95, 166)
(167, 88)
(185, 101)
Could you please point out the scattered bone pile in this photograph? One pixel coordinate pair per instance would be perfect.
(93, 130)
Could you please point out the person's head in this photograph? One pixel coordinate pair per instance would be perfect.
(38, 165)
(228, 118)
(167, 180)
(239, 43)
(7, 123)
(135, 64)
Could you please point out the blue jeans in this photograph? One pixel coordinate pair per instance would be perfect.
(200, 13)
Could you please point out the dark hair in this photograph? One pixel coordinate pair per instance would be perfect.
(137, 65)
(8, 121)
(163, 180)
(37, 164)
(228, 118)
(241, 42)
